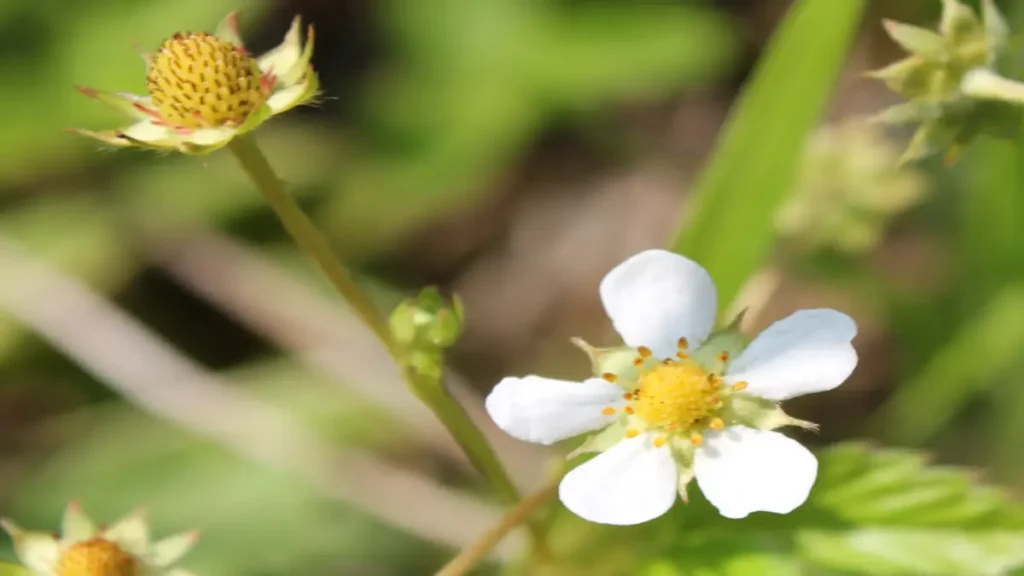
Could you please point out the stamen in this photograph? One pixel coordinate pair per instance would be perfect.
(638, 361)
(717, 424)
(682, 355)
(632, 433)
(697, 439)
(683, 344)
(644, 352)
(739, 386)
(660, 441)
(629, 410)
(609, 411)
(610, 377)
(723, 357)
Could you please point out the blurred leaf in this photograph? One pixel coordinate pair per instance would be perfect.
(477, 79)
(970, 362)
(14, 570)
(872, 511)
(752, 171)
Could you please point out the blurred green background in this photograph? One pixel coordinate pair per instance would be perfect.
(162, 343)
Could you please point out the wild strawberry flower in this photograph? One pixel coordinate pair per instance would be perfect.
(83, 549)
(680, 402)
(205, 89)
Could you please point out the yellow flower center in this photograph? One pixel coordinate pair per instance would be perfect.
(97, 557)
(198, 81)
(677, 395)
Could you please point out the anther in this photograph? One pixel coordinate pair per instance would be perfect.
(696, 439)
(683, 344)
(739, 386)
(632, 433)
(644, 352)
(610, 377)
(629, 410)
(682, 355)
(660, 441)
(609, 411)
(717, 424)
(723, 357)
(638, 361)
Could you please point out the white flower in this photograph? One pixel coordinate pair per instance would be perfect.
(685, 405)
(83, 549)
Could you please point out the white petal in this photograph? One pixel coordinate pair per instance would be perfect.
(282, 60)
(131, 533)
(38, 551)
(545, 411)
(657, 297)
(809, 351)
(282, 100)
(148, 132)
(170, 550)
(741, 470)
(77, 526)
(631, 483)
(210, 136)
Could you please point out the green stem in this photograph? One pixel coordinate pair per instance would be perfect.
(307, 236)
(429, 390)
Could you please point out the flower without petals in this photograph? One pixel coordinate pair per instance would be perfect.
(205, 89)
(83, 549)
(681, 402)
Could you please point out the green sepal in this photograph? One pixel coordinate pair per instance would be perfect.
(603, 440)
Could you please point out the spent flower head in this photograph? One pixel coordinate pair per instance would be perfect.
(681, 401)
(85, 549)
(940, 77)
(204, 89)
(851, 185)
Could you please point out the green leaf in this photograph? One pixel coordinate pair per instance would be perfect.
(14, 570)
(753, 168)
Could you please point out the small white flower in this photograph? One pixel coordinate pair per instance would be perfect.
(83, 549)
(685, 405)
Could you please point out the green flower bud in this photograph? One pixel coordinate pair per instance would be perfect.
(426, 322)
(948, 76)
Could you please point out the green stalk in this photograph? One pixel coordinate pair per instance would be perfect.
(429, 390)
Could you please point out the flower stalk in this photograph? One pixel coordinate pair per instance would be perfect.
(425, 384)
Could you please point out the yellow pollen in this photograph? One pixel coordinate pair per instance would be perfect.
(632, 433)
(629, 410)
(608, 411)
(682, 355)
(676, 395)
(198, 81)
(644, 352)
(717, 424)
(610, 377)
(97, 557)
(660, 441)
(697, 439)
(739, 386)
